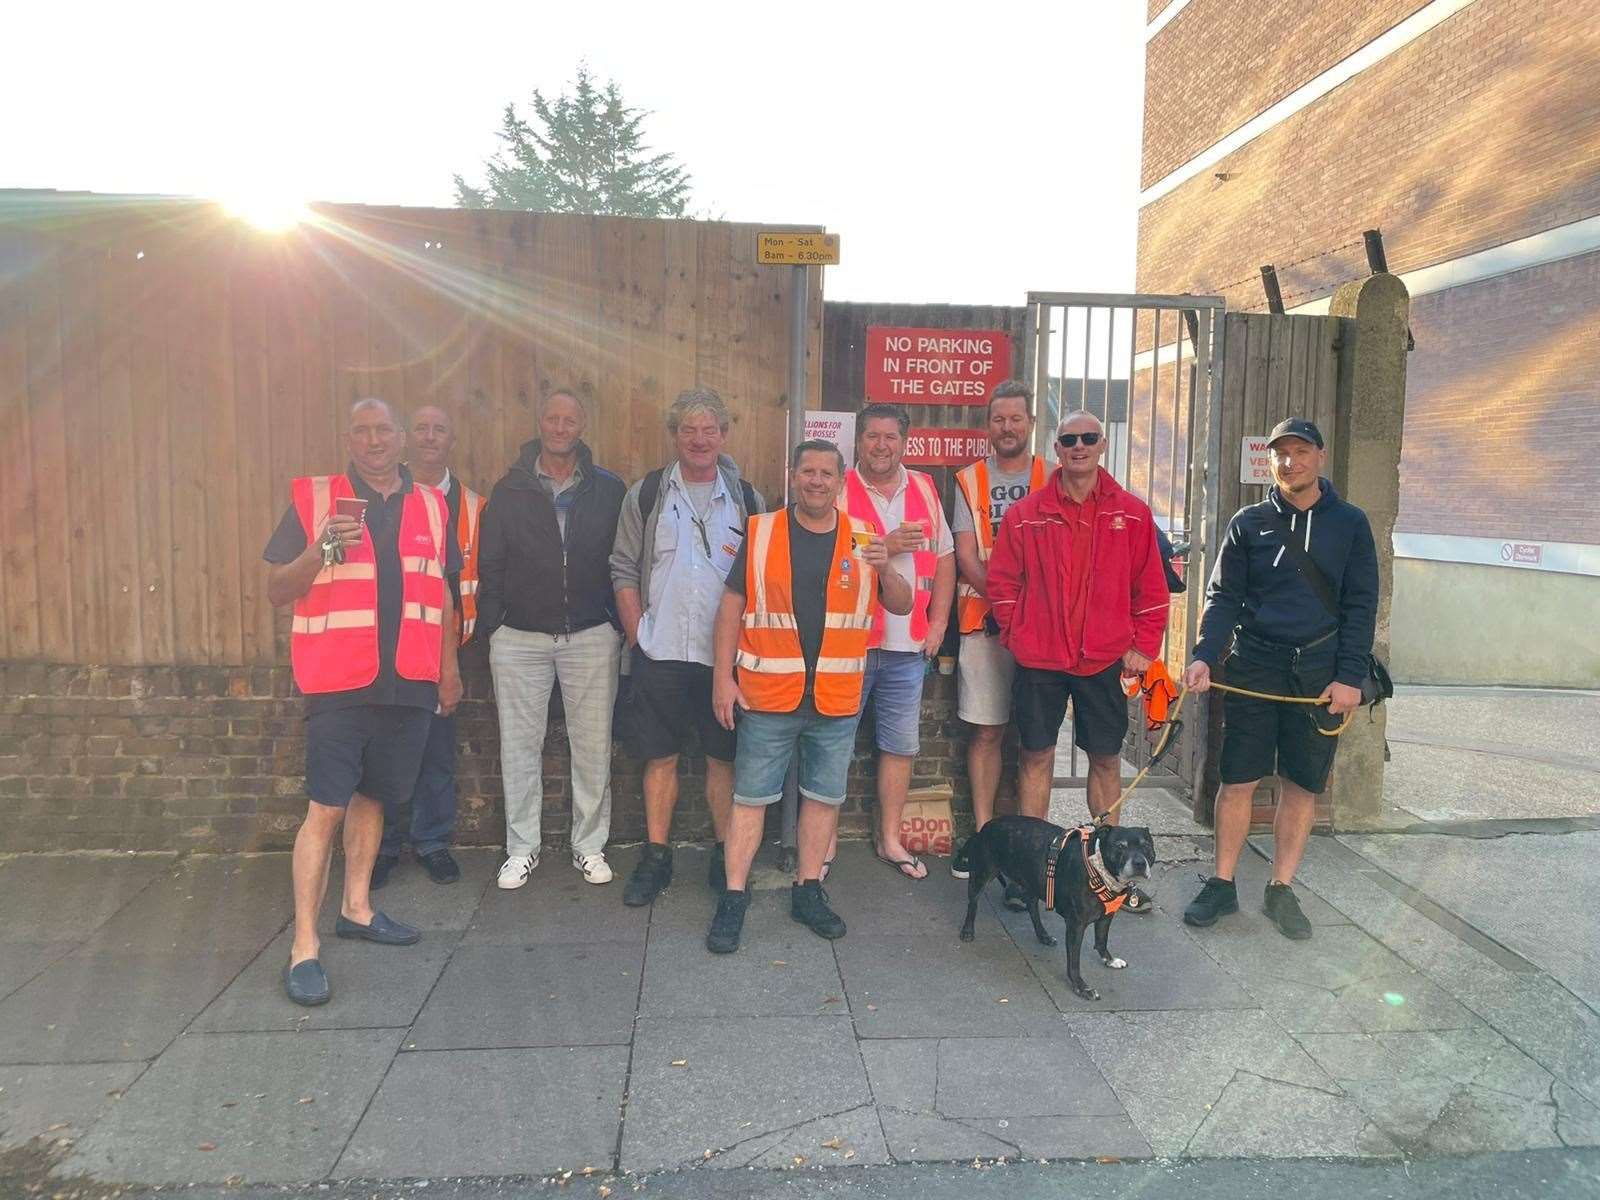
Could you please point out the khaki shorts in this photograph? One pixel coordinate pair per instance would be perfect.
(984, 672)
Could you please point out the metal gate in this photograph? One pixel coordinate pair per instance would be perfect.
(1148, 367)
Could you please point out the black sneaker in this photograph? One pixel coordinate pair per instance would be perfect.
(959, 867)
(1283, 910)
(1015, 899)
(808, 904)
(440, 865)
(717, 872)
(381, 867)
(728, 922)
(1217, 898)
(650, 877)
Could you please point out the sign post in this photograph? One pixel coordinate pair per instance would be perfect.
(799, 251)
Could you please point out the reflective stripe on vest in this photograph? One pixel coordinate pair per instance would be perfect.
(333, 642)
(922, 504)
(973, 480)
(771, 662)
(467, 523)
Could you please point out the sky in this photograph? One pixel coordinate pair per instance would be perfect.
(964, 153)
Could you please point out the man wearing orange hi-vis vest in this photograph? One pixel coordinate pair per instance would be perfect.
(902, 507)
(802, 596)
(433, 799)
(984, 670)
(364, 557)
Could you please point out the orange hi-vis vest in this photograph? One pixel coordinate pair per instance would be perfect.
(973, 480)
(922, 504)
(472, 506)
(771, 662)
(334, 641)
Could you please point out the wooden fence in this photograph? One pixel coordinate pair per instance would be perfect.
(165, 370)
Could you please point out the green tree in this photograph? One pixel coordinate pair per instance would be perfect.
(584, 152)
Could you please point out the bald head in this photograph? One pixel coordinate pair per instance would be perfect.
(1080, 419)
(1080, 444)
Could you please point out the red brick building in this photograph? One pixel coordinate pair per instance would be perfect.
(1468, 132)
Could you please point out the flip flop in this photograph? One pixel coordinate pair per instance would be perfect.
(906, 867)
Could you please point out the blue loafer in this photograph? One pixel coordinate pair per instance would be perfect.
(384, 931)
(307, 983)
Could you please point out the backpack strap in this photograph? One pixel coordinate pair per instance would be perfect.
(1309, 571)
(649, 492)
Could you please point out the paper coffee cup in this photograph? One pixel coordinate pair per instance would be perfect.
(862, 538)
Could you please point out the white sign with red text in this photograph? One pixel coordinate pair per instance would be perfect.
(1255, 461)
(836, 427)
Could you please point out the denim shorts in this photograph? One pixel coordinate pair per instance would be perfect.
(894, 685)
(768, 743)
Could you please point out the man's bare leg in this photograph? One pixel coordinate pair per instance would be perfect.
(1105, 783)
(743, 839)
(1035, 772)
(814, 832)
(661, 796)
(363, 831)
(983, 768)
(1291, 827)
(1232, 824)
(894, 781)
(313, 851)
(719, 796)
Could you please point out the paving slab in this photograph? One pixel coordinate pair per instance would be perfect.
(1450, 783)
(880, 904)
(1518, 890)
(1020, 1077)
(1339, 980)
(539, 995)
(1251, 877)
(412, 897)
(923, 1137)
(205, 901)
(780, 969)
(1167, 1067)
(511, 1112)
(66, 897)
(269, 1107)
(953, 990)
(59, 1100)
(1165, 970)
(739, 1078)
(373, 987)
(903, 1072)
(853, 1138)
(1100, 1138)
(100, 1007)
(1267, 1118)
(21, 961)
(556, 906)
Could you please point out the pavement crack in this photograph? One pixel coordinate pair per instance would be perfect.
(777, 1131)
(1305, 1087)
(1211, 1110)
(988, 1133)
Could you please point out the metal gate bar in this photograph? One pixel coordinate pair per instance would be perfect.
(1064, 334)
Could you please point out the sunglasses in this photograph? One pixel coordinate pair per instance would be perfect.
(1068, 440)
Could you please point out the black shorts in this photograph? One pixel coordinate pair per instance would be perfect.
(1264, 737)
(1099, 708)
(374, 749)
(669, 700)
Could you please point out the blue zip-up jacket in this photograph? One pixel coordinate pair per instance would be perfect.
(1255, 583)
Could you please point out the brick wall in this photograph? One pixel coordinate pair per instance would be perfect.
(212, 758)
(1249, 56)
(1484, 130)
(1503, 405)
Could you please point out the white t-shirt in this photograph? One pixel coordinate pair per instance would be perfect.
(892, 512)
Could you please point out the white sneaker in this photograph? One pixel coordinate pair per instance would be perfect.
(594, 867)
(516, 869)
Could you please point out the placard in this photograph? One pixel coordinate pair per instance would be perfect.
(935, 366)
(945, 447)
(1255, 461)
(836, 427)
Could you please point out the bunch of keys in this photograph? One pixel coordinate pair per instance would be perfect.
(332, 548)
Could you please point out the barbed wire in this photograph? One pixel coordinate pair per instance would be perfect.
(1256, 274)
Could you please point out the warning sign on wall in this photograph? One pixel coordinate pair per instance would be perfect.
(945, 447)
(935, 366)
(1255, 461)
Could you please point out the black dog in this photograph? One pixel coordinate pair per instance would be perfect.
(1019, 849)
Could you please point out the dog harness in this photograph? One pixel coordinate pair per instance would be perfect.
(1111, 898)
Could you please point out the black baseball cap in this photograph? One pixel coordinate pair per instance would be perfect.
(1296, 427)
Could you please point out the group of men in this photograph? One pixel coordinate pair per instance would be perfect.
(764, 636)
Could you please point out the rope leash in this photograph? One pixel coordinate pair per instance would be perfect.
(1174, 726)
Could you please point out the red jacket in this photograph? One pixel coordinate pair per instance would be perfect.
(1028, 573)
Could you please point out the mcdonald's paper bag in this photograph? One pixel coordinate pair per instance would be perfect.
(926, 826)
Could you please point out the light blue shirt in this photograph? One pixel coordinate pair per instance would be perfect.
(692, 558)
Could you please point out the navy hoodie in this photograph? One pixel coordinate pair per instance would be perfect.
(1256, 585)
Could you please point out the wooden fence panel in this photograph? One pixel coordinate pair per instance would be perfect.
(167, 371)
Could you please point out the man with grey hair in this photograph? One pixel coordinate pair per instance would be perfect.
(544, 602)
(363, 557)
(677, 536)
(1078, 589)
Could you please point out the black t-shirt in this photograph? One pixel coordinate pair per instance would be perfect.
(382, 517)
(810, 561)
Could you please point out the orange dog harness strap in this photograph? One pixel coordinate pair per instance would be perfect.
(1110, 900)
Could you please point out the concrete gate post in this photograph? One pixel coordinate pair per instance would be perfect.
(1365, 468)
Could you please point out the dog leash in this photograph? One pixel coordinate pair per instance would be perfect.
(1174, 726)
